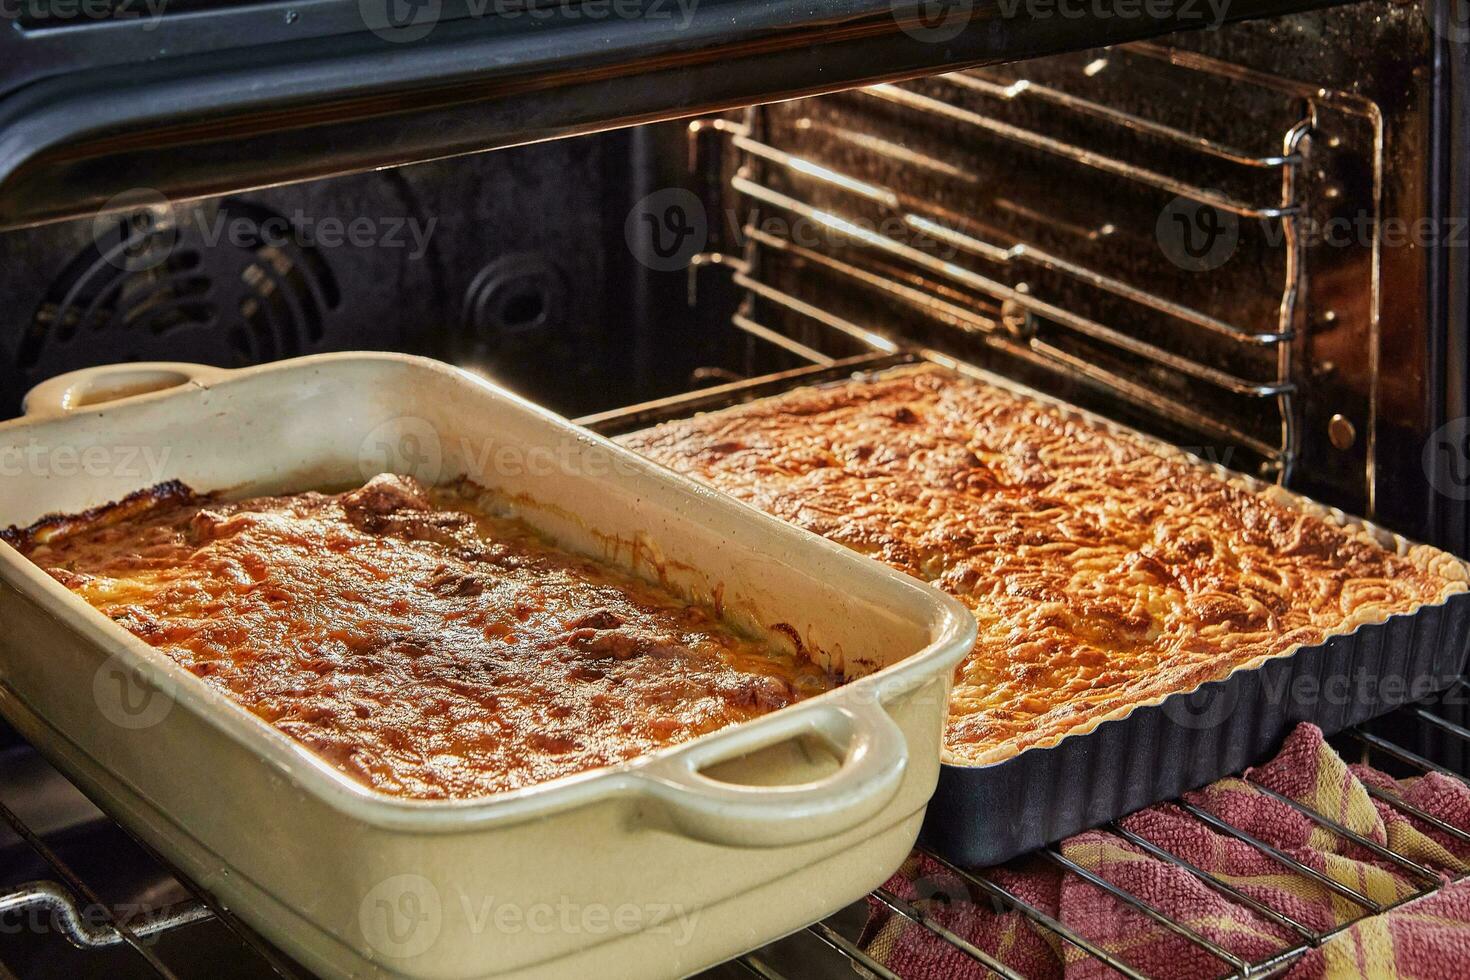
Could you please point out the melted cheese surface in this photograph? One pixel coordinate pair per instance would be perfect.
(1103, 574)
(421, 645)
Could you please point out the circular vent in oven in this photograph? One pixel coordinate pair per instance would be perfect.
(229, 284)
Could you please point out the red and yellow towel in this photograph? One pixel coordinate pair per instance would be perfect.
(1426, 938)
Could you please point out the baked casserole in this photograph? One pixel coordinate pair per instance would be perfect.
(1106, 571)
(420, 640)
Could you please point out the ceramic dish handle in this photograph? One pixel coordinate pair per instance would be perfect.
(874, 755)
(109, 382)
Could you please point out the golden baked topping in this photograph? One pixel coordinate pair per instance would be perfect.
(418, 643)
(1104, 575)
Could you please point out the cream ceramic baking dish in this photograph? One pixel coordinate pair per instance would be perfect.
(657, 867)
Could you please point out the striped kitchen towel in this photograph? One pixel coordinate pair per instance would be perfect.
(1427, 937)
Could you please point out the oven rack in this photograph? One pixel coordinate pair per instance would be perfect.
(989, 330)
(1002, 308)
(1016, 258)
(64, 897)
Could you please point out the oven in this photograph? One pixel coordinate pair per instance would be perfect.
(1240, 226)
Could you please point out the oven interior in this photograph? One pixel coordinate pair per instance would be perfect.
(1237, 238)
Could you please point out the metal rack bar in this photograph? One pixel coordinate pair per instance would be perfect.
(1399, 803)
(1357, 898)
(894, 151)
(1148, 398)
(1286, 309)
(268, 953)
(1040, 257)
(781, 340)
(1034, 351)
(1224, 888)
(961, 317)
(79, 887)
(1139, 905)
(990, 287)
(1444, 724)
(1413, 867)
(1096, 161)
(975, 953)
(1195, 61)
(836, 940)
(1023, 88)
(758, 967)
(822, 316)
(1035, 914)
(648, 413)
(59, 903)
(1402, 754)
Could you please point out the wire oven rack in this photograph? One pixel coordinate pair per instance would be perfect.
(1226, 375)
(831, 944)
(1017, 258)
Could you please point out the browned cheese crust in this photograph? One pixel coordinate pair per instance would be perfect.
(1105, 571)
(419, 644)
